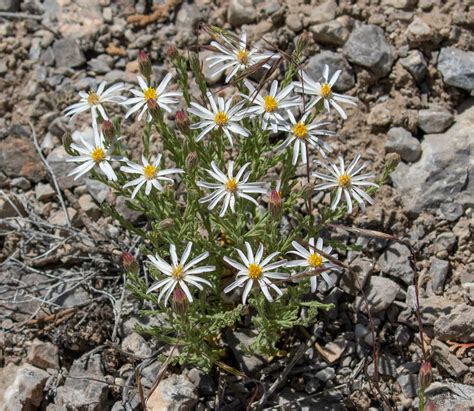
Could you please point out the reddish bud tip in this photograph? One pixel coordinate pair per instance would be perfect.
(275, 202)
(179, 301)
(192, 160)
(108, 130)
(182, 121)
(129, 262)
(425, 375)
(171, 52)
(144, 64)
(430, 406)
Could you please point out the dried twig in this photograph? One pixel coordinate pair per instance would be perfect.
(51, 172)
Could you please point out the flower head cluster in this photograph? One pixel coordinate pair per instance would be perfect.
(149, 94)
(229, 188)
(179, 273)
(236, 56)
(346, 181)
(220, 116)
(95, 100)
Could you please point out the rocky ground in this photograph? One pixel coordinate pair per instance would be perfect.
(411, 64)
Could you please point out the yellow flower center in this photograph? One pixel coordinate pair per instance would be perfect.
(177, 272)
(315, 260)
(255, 271)
(231, 185)
(149, 171)
(243, 56)
(93, 99)
(344, 180)
(270, 104)
(150, 94)
(326, 91)
(300, 130)
(221, 118)
(98, 154)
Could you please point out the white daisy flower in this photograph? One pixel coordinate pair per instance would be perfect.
(220, 116)
(253, 269)
(312, 261)
(179, 273)
(269, 104)
(324, 91)
(147, 93)
(347, 182)
(301, 132)
(229, 188)
(94, 100)
(236, 58)
(150, 175)
(92, 155)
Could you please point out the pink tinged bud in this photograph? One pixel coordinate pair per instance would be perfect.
(172, 52)
(108, 129)
(129, 263)
(275, 202)
(425, 375)
(144, 64)
(179, 301)
(430, 406)
(182, 121)
(192, 160)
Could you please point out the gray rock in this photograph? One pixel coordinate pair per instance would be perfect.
(381, 293)
(434, 120)
(43, 355)
(80, 392)
(457, 67)
(451, 396)
(18, 158)
(20, 182)
(409, 384)
(9, 5)
(416, 64)
(241, 12)
(418, 32)
(402, 335)
(188, 17)
(136, 344)
(387, 365)
(335, 61)
(323, 13)
(99, 191)
(173, 394)
(99, 65)
(335, 32)
(26, 391)
(325, 375)
(123, 206)
(361, 268)
(445, 242)
(400, 4)
(89, 206)
(451, 211)
(368, 47)
(401, 141)
(57, 161)
(446, 360)
(207, 71)
(433, 307)
(438, 272)
(44, 192)
(457, 326)
(380, 116)
(239, 341)
(395, 261)
(67, 53)
(202, 381)
(441, 173)
(294, 23)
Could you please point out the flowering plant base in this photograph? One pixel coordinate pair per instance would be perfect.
(233, 234)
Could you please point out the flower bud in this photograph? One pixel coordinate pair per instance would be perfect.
(275, 202)
(166, 223)
(67, 141)
(425, 375)
(172, 52)
(179, 301)
(154, 109)
(144, 64)
(392, 160)
(108, 130)
(129, 263)
(308, 190)
(430, 406)
(182, 121)
(302, 41)
(192, 160)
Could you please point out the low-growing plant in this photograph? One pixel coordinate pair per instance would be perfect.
(231, 228)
